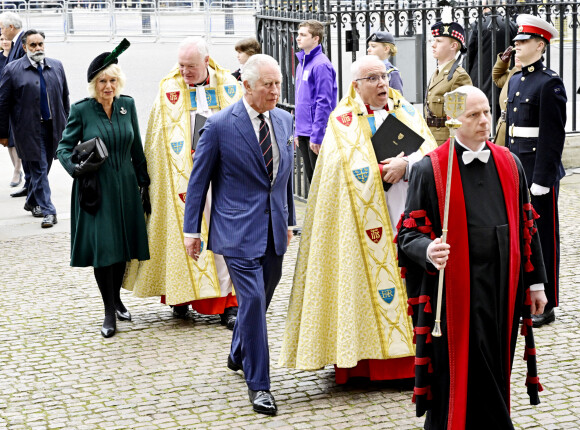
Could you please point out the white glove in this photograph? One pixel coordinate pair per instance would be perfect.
(538, 190)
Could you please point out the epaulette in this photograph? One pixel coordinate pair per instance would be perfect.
(82, 101)
(124, 95)
(549, 72)
(391, 70)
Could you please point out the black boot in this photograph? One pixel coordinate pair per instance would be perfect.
(104, 277)
(118, 273)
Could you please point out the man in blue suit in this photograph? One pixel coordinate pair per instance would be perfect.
(34, 107)
(246, 151)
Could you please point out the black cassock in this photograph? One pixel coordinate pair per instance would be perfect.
(488, 343)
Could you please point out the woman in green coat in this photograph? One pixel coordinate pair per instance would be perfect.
(108, 228)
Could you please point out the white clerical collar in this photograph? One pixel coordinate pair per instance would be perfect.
(483, 145)
(252, 113)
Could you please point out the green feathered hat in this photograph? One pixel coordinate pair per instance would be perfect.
(104, 60)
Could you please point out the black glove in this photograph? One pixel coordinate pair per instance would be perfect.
(145, 200)
(85, 167)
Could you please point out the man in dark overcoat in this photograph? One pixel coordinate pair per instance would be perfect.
(34, 106)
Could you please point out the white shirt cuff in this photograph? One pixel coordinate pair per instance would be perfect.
(537, 287)
(192, 235)
(538, 190)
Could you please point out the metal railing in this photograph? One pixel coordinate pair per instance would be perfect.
(351, 22)
(149, 19)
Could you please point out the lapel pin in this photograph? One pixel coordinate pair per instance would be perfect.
(122, 111)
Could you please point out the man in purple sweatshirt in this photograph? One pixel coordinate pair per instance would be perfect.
(316, 92)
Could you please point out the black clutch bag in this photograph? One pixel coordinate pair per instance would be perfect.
(93, 146)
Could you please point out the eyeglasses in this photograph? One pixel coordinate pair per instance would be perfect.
(374, 79)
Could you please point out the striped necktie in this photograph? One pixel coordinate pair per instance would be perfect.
(266, 146)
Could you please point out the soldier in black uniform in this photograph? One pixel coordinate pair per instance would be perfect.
(535, 119)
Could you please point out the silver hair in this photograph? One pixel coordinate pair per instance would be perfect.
(251, 71)
(365, 60)
(197, 42)
(10, 18)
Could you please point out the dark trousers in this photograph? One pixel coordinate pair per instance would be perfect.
(255, 280)
(549, 230)
(39, 190)
(308, 156)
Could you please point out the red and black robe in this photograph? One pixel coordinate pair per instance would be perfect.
(462, 378)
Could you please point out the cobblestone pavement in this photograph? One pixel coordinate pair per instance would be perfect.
(56, 371)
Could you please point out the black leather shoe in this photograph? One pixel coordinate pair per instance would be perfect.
(109, 326)
(123, 316)
(22, 192)
(36, 211)
(228, 318)
(48, 221)
(546, 318)
(263, 402)
(232, 365)
(180, 311)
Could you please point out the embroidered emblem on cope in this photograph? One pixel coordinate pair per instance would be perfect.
(177, 146)
(231, 90)
(201, 249)
(375, 234)
(172, 96)
(210, 96)
(182, 196)
(361, 174)
(388, 294)
(345, 118)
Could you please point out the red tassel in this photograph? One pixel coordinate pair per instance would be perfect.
(419, 214)
(428, 340)
(527, 235)
(528, 267)
(425, 229)
(540, 387)
(529, 223)
(535, 215)
(527, 206)
(427, 221)
(410, 311)
(427, 301)
(403, 272)
(395, 240)
(433, 237)
(414, 400)
(527, 249)
(524, 331)
(410, 223)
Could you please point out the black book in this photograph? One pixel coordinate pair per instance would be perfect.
(199, 123)
(392, 138)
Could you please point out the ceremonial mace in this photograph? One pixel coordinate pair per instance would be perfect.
(454, 107)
